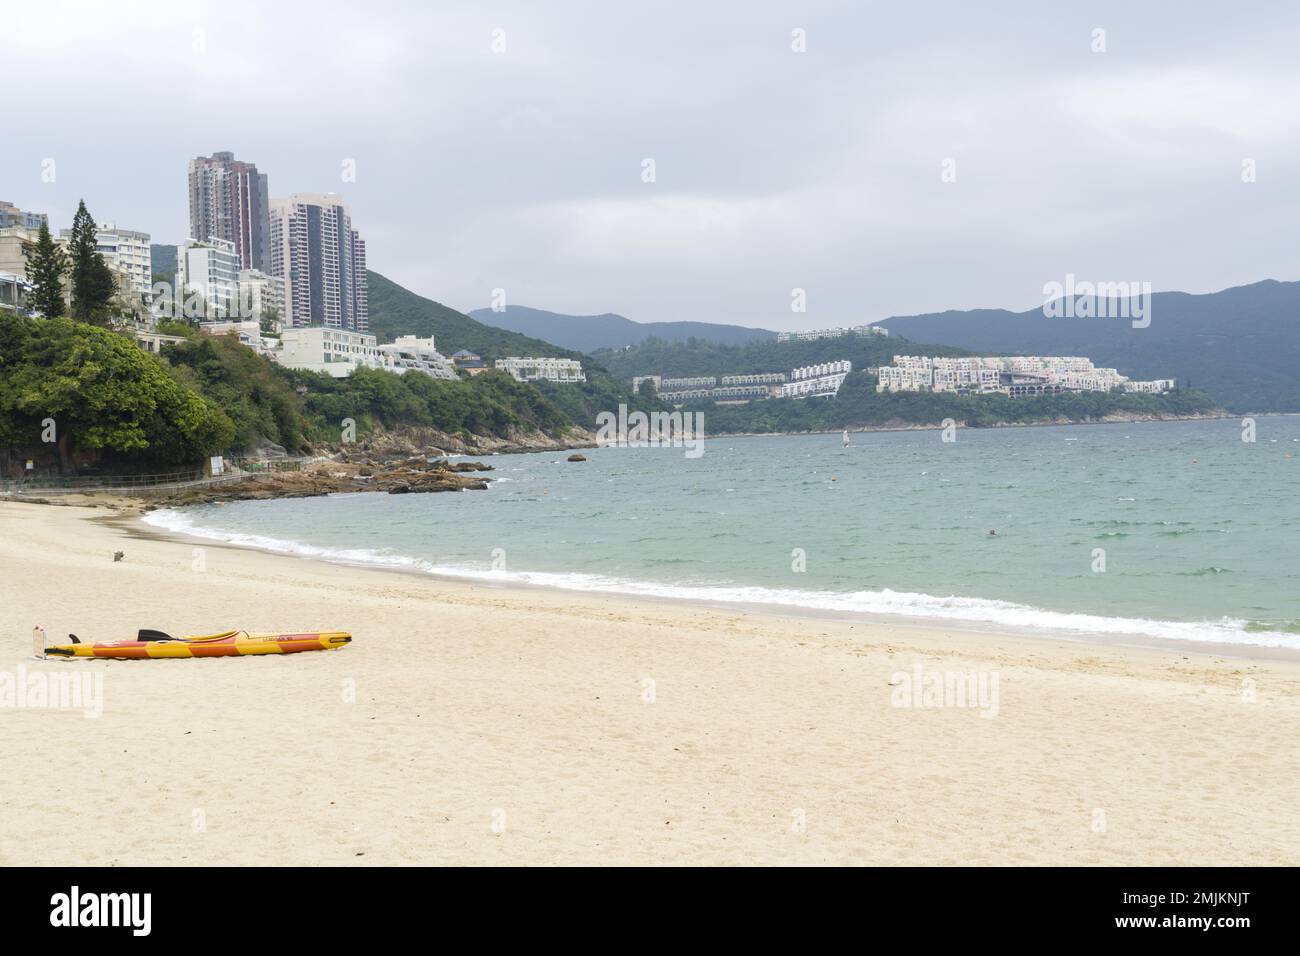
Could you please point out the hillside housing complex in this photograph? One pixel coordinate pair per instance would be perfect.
(808, 382)
(1010, 375)
(542, 369)
(338, 352)
(812, 335)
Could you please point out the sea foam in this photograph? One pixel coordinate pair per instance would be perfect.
(990, 613)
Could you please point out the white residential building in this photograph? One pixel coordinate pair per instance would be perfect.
(126, 251)
(815, 334)
(822, 370)
(411, 353)
(812, 381)
(756, 378)
(699, 381)
(1012, 375)
(724, 393)
(893, 378)
(542, 369)
(212, 269)
(1153, 387)
(679, 395)
(336, 352)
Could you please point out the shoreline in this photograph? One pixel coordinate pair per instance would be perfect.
(870, 429)
(475, 724)
(134, 525)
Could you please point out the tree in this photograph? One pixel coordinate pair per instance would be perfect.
(108, 398)
(46, 264)
(93, 285)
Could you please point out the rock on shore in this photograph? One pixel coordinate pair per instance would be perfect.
(408, 476)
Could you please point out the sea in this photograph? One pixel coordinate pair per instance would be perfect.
(1166, 531)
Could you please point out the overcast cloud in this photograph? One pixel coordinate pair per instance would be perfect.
(774, 169)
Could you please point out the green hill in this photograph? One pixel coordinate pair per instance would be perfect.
(395, 311)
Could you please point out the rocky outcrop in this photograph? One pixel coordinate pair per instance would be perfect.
(576, 458)
(406, 441)
(408, 476)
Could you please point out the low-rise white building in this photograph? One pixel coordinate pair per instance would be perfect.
(1155, 386)
(813, 381)
(336, 352)
(679, 395)
(698, 381)
(1014, 375)
(542, 369)
(755, 378)
(414, 354)
(813, 335)
(126, 251)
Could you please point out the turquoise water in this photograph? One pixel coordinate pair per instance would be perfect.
(1198, 528)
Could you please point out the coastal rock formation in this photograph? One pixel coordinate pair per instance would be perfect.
(405, 441)
(408, 476)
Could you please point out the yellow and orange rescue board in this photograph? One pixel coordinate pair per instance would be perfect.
(227, 644)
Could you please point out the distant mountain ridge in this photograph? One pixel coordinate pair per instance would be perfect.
(1242, 345)
(586, 333)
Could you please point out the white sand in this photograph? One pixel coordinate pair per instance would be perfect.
(476, 705)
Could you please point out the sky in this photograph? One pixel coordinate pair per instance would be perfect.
(883, 158)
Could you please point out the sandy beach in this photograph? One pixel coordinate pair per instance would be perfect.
(469, 724)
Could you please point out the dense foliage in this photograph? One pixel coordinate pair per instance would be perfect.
(102, 394)
(252, 390)
(489, 404)
(294, 408)
(209, 395)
